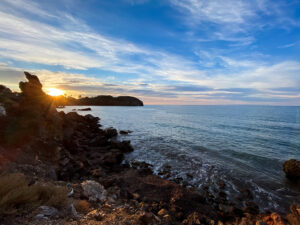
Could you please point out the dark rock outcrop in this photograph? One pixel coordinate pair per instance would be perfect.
(292, 169)
(106, 100)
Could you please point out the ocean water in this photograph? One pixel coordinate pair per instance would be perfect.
(244, 146)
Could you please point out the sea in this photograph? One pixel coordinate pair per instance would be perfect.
(244, 146)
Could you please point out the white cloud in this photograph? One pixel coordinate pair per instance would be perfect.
(74, 45)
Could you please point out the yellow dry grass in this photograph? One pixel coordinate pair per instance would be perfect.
(16, 194)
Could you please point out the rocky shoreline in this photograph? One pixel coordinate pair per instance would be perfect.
(78, 172)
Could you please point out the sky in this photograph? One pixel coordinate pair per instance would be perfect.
(161, 51)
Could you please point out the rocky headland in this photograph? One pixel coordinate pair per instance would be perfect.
(59, 168)
(101, 100)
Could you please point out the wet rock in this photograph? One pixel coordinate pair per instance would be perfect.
(93, 191)
(125, 132)
(124, 146)
(85, 109)
(292, 169)
(110, 132)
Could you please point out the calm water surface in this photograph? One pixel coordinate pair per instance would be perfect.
(243, 145)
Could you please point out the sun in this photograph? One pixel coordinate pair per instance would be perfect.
(55, 92)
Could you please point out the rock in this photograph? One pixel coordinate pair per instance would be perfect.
(106, 100)
(32, 88)
(95, 214)
(73, 212)
(125, 132)
(260, 222)
(292, 169)
(246, 193)
(51, 173)
(251, 208)
(274, 219)
(294, 216)
(162, 212)
(2, 111)
(148, 218)
(110, 132)
(93, 191)
(45, 212)
(85, 109)
(193, 219)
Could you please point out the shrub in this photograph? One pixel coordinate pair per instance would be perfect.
(16, 195)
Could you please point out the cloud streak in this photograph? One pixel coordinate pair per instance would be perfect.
(63, 41)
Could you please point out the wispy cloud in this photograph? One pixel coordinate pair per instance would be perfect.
(59, 39)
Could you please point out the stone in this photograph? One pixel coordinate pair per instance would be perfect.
(93, 191)
(73, 211)
(125, 132)
(274, 219)
(110, 132)
(85, 109)
(45, 212)
(2, 111)
(162, 212)
(294, 216)
(292, 169)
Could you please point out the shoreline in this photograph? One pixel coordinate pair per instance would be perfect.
(72, 151)
(271, 191)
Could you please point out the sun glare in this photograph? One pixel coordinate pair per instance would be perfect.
(55, 92)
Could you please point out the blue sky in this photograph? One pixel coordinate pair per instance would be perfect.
(162, 51)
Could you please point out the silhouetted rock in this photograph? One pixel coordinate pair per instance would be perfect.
(33, 87)
(110, 132)
(85, 109)
(106, 100)
(292, 169)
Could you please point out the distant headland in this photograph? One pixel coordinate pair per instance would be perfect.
(101, 100)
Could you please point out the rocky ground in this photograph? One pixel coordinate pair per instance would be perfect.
(59, 168)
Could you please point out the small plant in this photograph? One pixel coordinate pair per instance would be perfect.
(16, 195)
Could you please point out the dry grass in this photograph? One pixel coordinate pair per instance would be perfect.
(82, 206)
(16, 195)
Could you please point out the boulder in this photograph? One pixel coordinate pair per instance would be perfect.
(292, 169)
(93, 191)
(110, 132)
